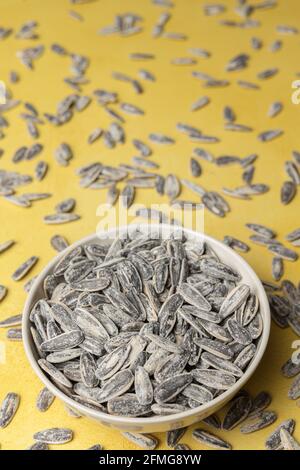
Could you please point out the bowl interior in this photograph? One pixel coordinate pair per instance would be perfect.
(226, 255)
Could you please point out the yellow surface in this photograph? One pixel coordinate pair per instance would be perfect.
(166, 102)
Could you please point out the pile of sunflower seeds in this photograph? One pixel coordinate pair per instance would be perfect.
(145, 326)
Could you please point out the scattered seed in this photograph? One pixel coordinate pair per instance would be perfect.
(8, 409)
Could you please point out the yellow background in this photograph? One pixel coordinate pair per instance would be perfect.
(166, 102)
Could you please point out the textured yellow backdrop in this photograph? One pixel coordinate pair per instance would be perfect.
(166, 102)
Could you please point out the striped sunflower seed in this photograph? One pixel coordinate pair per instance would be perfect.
(210, 439)
(24, 268)
(287, 441)
(44, 400)
(238, 412)
(9, 408)
(54, 436)
(260, 421)
(273, 442)
(145, 441)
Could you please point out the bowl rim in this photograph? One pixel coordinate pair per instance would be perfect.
(158, 419)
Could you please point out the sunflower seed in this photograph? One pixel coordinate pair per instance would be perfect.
(294, 391)
(292, 171)
(59, 243)
(275, 109)
(127, 405)
(200, 103)
(113, 362)
(143, 386)
(286, 29)
(38, 446)
(9, 408)
(267, 136)
(268, 73)
(60, 218)
(65, 206)
(277, 268)
(237, 412)
(214, 378)
(260, 402)
(167, 409)
(261, 421)
(273, 442)
(51, 370)
(287, 441)
(198, 393)
(15, 320)
(24, 268)
(283, 252)
(96, 447)
(63, 341)
(44, 400)
(217, 363)
(210, 439)
(161, 138)
(171, 387)
(193, 297)
(174, 436)
(235, 298)
(127, 195)
(145, 441)
(14, 334)
(3, 292)
(290, 369)
(54, 436)
(215, 347)
(6, 245)
(245, 356)
(240, 334)
(116, 386)
(40, 170)
(288, 192)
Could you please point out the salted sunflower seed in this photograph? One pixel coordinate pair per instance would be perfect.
(174, 436)
(145, 441)
(59, 243)
(273, 442)
(3, 292)
(260, 421)
(238, 412)
(235, 298)
(127, 405)
(287, 441)
(14, 334)
(218, 363)
(24, 268)
(143, 386)
(210, 439)
(260, 403)
(65, 206)
(15, 320)
(214, 378)
(38, 446)
(56, 374)
(6, 245)
(283, 252)
(60, 218)
(9, 408)
(44, 400)
(54, 436)
(290, 369)
(171, 387)
(294, 391)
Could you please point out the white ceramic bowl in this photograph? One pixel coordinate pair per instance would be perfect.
(155, 423)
